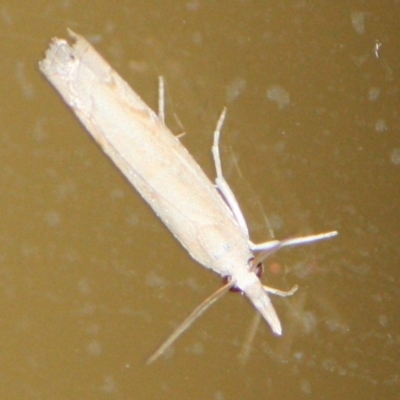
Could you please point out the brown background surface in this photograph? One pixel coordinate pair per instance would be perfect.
(91, 281)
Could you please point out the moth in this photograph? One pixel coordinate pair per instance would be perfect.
(203, 216)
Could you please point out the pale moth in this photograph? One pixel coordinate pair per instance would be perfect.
(204, 217)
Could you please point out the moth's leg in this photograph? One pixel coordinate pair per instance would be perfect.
(161, 99)
(266, 246)
(220, 181)
(270, 246)
(281, 293)
(161, 106)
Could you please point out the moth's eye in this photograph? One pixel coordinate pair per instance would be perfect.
(259, 269)
(235, 289)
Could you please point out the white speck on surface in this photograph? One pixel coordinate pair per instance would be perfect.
(306, 386)
(383, 320)
(92, 329)
(336, 326)
(381, 125)
(132, 219)
(153, 279)
(374, 93)
(53, 218)
(358, 21)
(395, 156)
(84, 287)
(235, 89)
(377, 47)
(197, 38)
(109, 385)
(329, 364)
(219, 396)
(193, 5)
(6, 16)
(276, 222)
(94, 348)
(278, 95)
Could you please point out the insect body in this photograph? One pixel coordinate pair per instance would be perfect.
(210, 227)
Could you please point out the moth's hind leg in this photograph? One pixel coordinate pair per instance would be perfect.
(281, 293)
